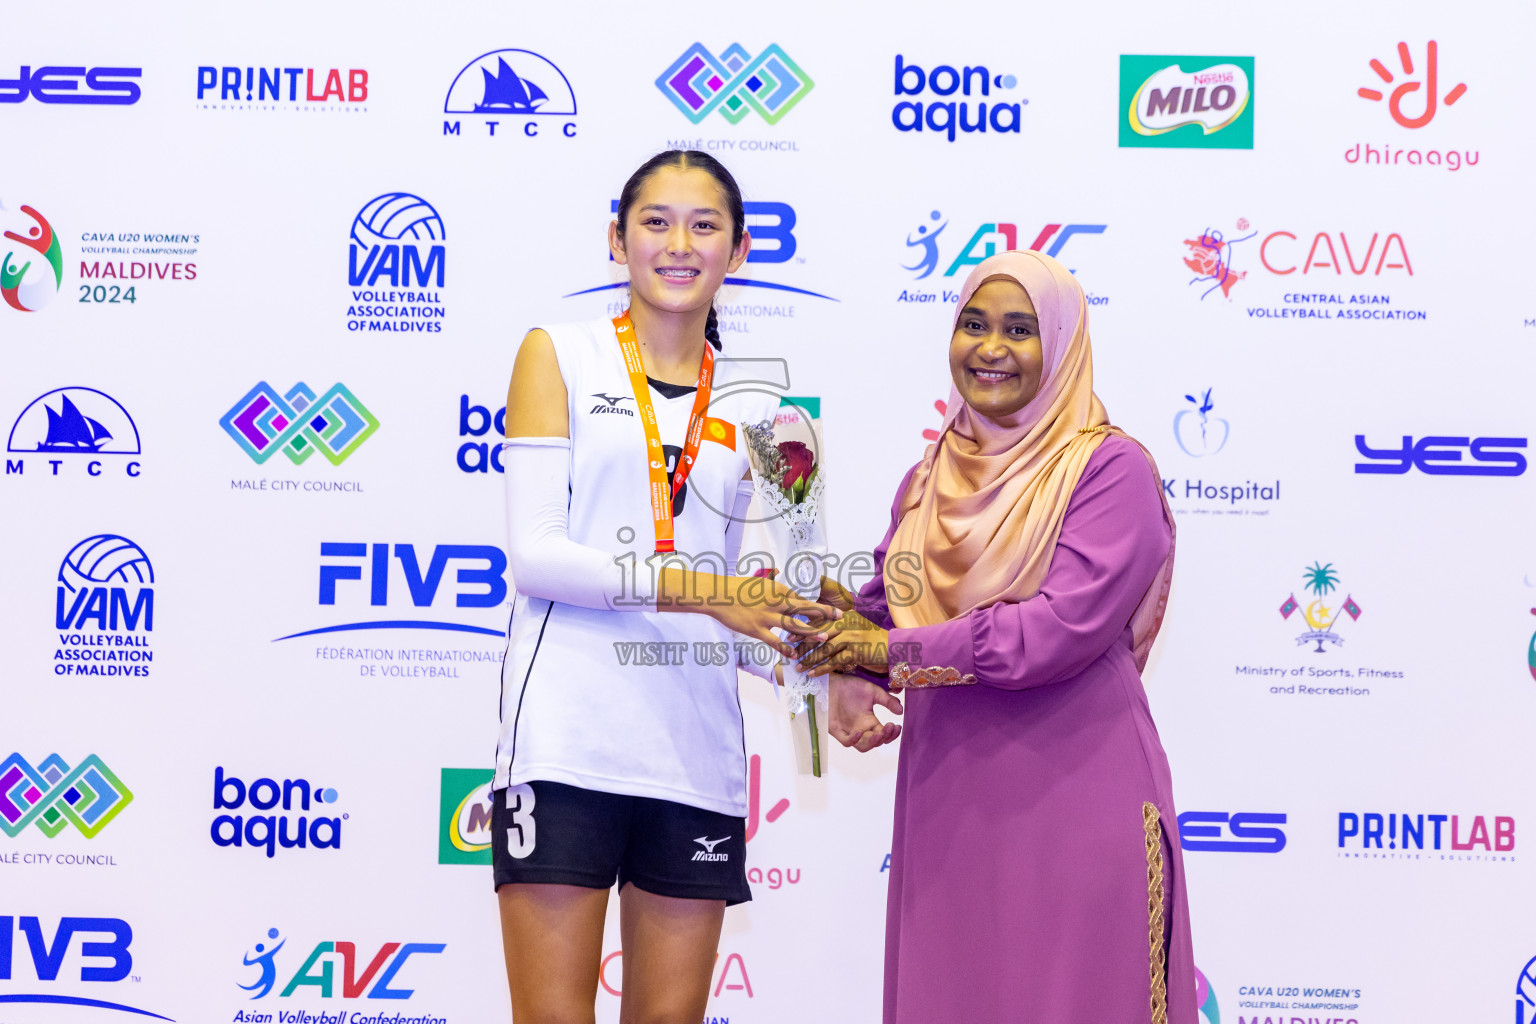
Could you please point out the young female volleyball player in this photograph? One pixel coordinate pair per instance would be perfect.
(621, 753)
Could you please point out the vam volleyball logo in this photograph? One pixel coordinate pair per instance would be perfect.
(397, 240)
(104, 609)
(511, 83)
(1184, 102)
(31, 260)
(54, 796)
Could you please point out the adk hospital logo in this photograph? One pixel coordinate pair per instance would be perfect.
(104, 609)
(397, 254)
(74, 432)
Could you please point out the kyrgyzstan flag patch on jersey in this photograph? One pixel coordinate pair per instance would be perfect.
(720, 432)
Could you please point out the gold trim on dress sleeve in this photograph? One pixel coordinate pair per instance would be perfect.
(905, 677)
(1158, 964)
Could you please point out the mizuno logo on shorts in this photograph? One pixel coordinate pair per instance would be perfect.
(708, 853)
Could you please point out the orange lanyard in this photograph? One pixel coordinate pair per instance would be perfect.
(661, 494)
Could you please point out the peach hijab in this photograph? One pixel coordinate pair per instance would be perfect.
(985, 506)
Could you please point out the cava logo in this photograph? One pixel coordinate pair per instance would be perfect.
(270, 831)
(735, 84)
(31, 260)
(362, 977)
(510, 89)
(1186, 102)
(1320, 619)
(464, 816)
(298, 424)
(80, 423)
(397, 240)
(54, 796)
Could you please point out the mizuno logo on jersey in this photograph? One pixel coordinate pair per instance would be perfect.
(613, 405)
(708, 853)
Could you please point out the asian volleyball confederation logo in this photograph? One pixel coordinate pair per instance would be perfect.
(31, 262)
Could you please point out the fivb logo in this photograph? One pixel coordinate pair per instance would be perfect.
(1209, 107)
(317, 975)
(53, 796)
(269, 831)
(298, 424)
(31, 264)
(103, 948)
(736, 84)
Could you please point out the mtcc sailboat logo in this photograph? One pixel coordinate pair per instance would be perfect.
(517, 82)
(1321, 580)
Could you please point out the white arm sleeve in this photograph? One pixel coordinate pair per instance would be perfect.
(733, 534)
(545, 562)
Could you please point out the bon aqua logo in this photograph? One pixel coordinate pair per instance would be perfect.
(31, 263)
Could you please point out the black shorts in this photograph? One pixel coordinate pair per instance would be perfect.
(553, 833)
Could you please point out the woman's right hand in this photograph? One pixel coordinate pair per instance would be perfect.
(852, 720)
(755, 606)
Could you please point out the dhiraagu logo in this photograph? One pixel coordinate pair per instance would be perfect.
(1184, 102)
(464, 816)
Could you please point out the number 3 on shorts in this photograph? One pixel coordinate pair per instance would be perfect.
(520, 833)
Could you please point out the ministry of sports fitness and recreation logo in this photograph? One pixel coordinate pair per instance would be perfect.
(31, 260)
(1185, 102)
(397, 239)
(299, 424)
(464, 816)
(325, 90)
(104, 609)
(735, 84)
(510, 89)
(1327, 275)
(73, 427)
(1321, 581)
(53, 796)
(1413, 103)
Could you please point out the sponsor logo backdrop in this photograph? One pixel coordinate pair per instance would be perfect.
(251, 700)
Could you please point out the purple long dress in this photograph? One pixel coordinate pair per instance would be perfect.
(1020, 863)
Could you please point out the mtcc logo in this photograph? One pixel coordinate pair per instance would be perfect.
(464, 816)
(298, 424)
(31, 261)
(73, 421)
(1197, 432)
(53, 795)
(1321, 580)
(1207, 107)
(511, 83)
(698, 83)
(1427, 89)
(373, 979)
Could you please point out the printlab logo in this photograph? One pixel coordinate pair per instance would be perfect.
(1205, 999)
(1321, 580)
(1207, 107)
(61, 84)
(73, 421)
(269, 831)
(945, 116)
(105, 581)
(298, 424)
(464, 816)
(375, 979)
(31, 263)
(277, 88)
(397, 238)
(507, 84)
(1197, 432)
(1420, 91)
(1249, 832)
(735, 84)
(1408, 832)
(103, 949)
(1442, 456)
(480, 572)
(53, 796)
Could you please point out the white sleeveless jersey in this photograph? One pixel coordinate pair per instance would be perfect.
(584, 700)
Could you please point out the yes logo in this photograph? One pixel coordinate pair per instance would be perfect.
(1427, 88)
(1442, 456)
(1250, 832)
(1197, 432)
(103, 86)
(375, 979)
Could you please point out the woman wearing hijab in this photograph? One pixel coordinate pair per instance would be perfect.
(1036, 872)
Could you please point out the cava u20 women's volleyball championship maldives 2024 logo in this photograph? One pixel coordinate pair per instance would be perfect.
(31, 262)
(1184, 102)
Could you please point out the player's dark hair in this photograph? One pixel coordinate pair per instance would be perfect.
(684, 159)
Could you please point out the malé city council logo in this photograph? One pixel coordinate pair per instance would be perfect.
(53, 795)
(298, 424)
(31, 264)
(1321, 580)
(1184, 102)
(736, 84)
